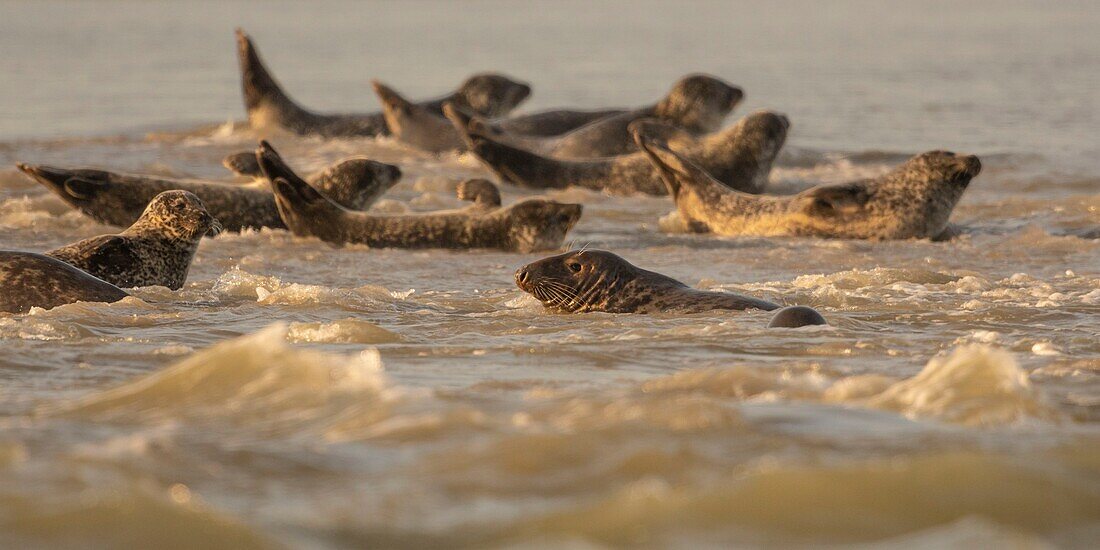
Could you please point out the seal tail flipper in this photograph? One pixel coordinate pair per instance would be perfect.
(263, 96)
(678, 173)
(795, 317)
(518, 166)
(243, 164)
(465, 122)
(480, 192)
(273, 166)
(393, 103)
(47, 175)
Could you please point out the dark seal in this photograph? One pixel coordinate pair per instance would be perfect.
(155, 251)
(119, 199)
(532, 224)
(740, 157)
(32, 280)
(487, 94)
(597, 280)
(912, 201)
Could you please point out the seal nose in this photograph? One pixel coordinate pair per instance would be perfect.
(522, 277)
(973, 165)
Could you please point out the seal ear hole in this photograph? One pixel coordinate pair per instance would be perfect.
(81, 188)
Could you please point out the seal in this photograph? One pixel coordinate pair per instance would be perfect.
(912, 201)
(596, 280)
(697, 103)
(155, 251)
(740, 156)
(33, 280)
(120, 199)
(486, 94)
(533, 224)
(552, 122)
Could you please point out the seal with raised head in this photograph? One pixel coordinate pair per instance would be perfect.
(696, 103)
(487, 94)
(596, 280)
(119, 199)
(155, 251)
(740, 156)
(529, 225)
(912, 201)
(34, 280)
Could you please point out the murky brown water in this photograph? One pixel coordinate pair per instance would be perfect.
(299, 395)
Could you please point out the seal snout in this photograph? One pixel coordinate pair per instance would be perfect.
(972, 166)
(523, 278)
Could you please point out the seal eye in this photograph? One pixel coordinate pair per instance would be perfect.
(575, 267)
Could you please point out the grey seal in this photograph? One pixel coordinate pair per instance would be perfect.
(155, 251)
(532, 224)
(33, 280)
(740, 156)
(552, 122)
(597, 280)
(355, 183)
(697, 103)
(485, 94)
(119, 199)
(912, 201)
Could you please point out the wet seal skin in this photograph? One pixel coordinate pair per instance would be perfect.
(740, 157)
(34, 280)
(356, 183)
(912, 201)
(155, 251)
(696, 103)
(596, 280)
(120, 199)
(267, 105)
(529, 225)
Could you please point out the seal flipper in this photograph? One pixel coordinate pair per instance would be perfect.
(481, 192)
(835, 200)
(668, 134)
(263, 97)
(243, 164)
(679, 174)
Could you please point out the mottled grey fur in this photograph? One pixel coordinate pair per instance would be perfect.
(913, 201)
(156, 251)
(696, 103)
(486, 94)
(120, 199)
(533, 224)
(33, 280)
(597, 280)
(741, 157)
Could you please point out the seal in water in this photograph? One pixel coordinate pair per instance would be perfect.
(533, 224)
(356, 183)
(740, 157)
(156, 251)
(33, 280)
(597, 280)
(486, 94)
(119, 199)
(912, 201)
(552, 122)
(696, 103)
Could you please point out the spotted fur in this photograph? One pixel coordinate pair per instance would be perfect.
(33, 280)
(740, 157)
(267, 104)
(119, 199)
(913, 201)
(155, 251)
(533, 224)
(597, 280)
